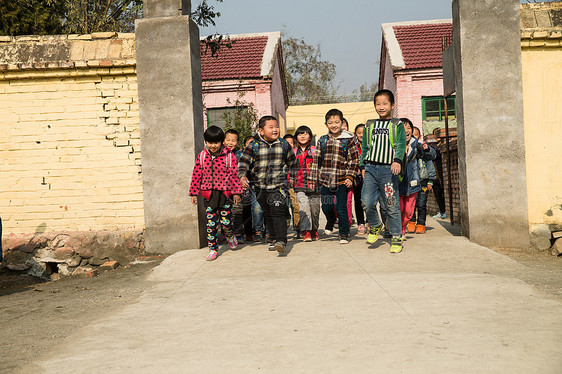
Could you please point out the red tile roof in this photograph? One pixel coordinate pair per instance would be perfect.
(243, 60)
(421, 44)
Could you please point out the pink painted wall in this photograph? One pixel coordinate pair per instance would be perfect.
(411, 86)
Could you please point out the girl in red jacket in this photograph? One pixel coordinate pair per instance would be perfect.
(215, 177)
(308, 197)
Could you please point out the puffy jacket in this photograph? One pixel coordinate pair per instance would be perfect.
(412, 183)
(215, 173)
(304, 163)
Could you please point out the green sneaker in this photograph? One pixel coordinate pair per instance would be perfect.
(374, 234)
(396, 246)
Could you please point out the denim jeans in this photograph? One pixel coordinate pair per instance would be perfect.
(381, 186)
(340, 195)
(421, 208)
(257, 214)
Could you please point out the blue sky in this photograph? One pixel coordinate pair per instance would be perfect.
(349, 32)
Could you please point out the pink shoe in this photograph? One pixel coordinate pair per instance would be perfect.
(212, 255)
(361, 229)
(232, 242)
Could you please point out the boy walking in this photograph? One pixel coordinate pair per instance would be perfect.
(383, 148)
(269, 158)
(335, 165)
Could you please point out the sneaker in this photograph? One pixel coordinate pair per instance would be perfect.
(443, 215)
(361, 229)
(386, 234)
(307, 237)
(420, 229)
(396, 246)
(328, 231)
(240, 239)
(269, 239)
(314, 235)
(411, 226)
(258, 237)
(212, 255)
(232, 242)
(271, 246)
(344, 239)
(249, 238)
(279, 247)
(438, 215)
(374, 234)
(298, 234)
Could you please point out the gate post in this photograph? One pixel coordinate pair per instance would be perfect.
(171, 123)
(492, 176)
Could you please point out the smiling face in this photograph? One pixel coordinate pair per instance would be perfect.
(270, 130)
(409, 131)
(334, 125)
(359, 133)
(383, 106)
(303, 139)
(231, 141)
(214, 148)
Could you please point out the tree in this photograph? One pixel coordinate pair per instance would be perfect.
(31, 17)
(310, 80)
(366, 92)
(242, 116)
(87, 16)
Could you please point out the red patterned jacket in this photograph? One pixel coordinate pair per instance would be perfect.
(215, 173)
(304, 162)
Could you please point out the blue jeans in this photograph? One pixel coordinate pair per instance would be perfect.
(381, 186)
(340, 195)
(257, 214)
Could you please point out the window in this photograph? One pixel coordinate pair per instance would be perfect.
(433, 108)
(215, 116)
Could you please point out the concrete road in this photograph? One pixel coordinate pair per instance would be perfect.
(443, 305)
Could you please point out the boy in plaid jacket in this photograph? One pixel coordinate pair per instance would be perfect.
(269, 158)
(334, 168)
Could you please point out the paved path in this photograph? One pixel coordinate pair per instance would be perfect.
(444, 305)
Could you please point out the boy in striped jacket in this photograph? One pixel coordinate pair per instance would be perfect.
(382, 151)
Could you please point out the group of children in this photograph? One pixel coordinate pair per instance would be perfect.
(382, 166)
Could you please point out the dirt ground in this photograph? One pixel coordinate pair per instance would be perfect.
(35, 315)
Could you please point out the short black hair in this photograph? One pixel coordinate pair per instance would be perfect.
(264, 119)
(213, 134)
(288, 136)
(249, 137)
(333, 113)
(358, 127)
(406, 121)
(232, 131)
(387, 93)
(304, 130)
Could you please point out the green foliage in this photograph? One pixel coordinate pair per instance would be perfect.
(34, 17)
(310, 80)
(366, 92)
(87, 16)
(243, 117)
(31, 17)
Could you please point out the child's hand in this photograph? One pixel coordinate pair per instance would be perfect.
(291, 183)
(194, 200)
(244, 181)
(348, 183)
(236, 199)
(395, 168)
(425, 146)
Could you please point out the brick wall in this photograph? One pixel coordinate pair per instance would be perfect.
(432, 207)
(70, 143)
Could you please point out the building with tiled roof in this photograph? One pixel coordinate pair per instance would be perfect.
(411, 67)
(250, 70)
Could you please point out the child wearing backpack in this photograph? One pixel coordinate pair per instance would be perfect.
(308, 197)
(359, 212)
(334, 168)
(269, 158)
(215, 179)
(383, 146)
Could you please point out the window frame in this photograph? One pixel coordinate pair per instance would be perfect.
(452, 109)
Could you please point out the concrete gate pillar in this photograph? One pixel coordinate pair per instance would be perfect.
(493, 184)
(171, 123)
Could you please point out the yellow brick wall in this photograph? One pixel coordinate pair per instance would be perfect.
(70, 150)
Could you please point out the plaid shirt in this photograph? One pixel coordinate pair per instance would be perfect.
(270, 164)
(335, 167)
